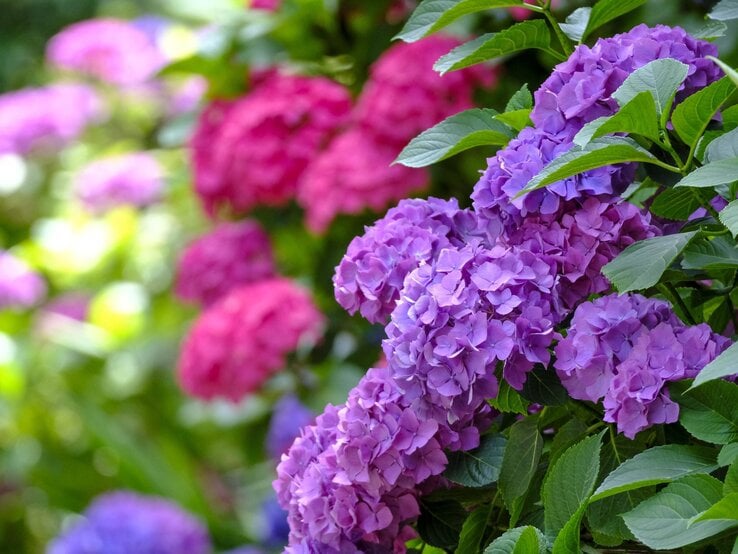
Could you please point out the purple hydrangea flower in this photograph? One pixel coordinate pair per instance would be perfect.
(370, 275)
(288, 417)
(135, 179)
(20, 286)
(46, 118)
(127, 523)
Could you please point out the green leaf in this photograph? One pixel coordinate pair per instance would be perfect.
(508, 400)
(521, 36)
(519, 464)
(598, 153)
(709, 413)
(433, 15)
(724, 365)
(679, 204)
(569, 482)
(731, 73)
(724, 147)
(475, 127)
(638, 116)
(692, 115)
(440, 523)
(520, 540)
(730, 486)
(603, 516)
(663, 521)
(544, 387)
(517, 119)
(479, 467)
(721, 172)
(729, 217)
(728, 454)
(724, 10)
(571, 432)
(472, 531)
(725, 509)
(607, 10)
(716, 253)
(660, 464)
(576, 23)
(642, 264)
(521, 100)
(710, 30)
(567, 540)
(660, 77)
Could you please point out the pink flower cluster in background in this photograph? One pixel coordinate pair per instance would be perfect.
(20, 286)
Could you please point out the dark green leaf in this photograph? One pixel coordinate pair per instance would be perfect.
(730, 486)
(569, 482)
(571, 432)
(638, 116)
(433, 15)
(679, 204)
(440, 523)
(520, 540)
(598, 153)
(705, 253)
(663, 521)
(543, 387)
(725, 509)
(479, 467)
(660, 77)
(723, 147)
(724, 365)
(731, 73)
(729, 217)
(724, 10)
(607, 10)
(521, 36)
(692, 115)
(521, 100)
(509, 400)
(475, 127)
(472, 531)
(604, 518)
(576, 23)
(524, 447)
(660, 464)
(709, 413)
(567, 540)
(721, 172)
(642, 264)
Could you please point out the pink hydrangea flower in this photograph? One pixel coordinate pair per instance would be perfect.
(231, 255)
(253, 150)
(112, 50)
(244, 338)
(20, 286)
(353, 174)
(135, 179)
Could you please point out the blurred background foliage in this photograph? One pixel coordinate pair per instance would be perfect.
(90, 406)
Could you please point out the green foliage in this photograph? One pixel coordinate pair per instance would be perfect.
(725, 10)
(519, 540)
(509, 400)
(720, 172)
(691, 117)
(576, 23)
(519, 464)
(637, 116)
(660, 77)
(473, 530)
(440, 523)
(479, 467)
(720, 367)
(710, 412)
(679, 204)
(607, 10)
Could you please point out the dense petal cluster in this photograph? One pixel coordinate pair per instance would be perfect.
(253, 150)
(580, 89)
(353, 174)
(46, 118)
(233, 254)
(288, 417)
(135, 179)
(405, 96)
(371, 274)
(112, 50)
(626, 349)
(244, 338)
(127, 523)
(20, 286)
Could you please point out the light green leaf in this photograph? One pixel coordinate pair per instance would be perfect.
(638, 116)
(576, 23)
(433, 15)
(479, 467)
(521, 36)
(660, 77)
(475, 127)
(472, 531)
(663, 521)
(724, 147)
(642, 264)
(598, 153)
(679, 204)
(725, 509)
(567, 540)
(709, 413)
(519, 464)
(693, 114)
(715, 253)
(660, 464)
(607, 10)
(728, 454)
(731, 73)
(721, 172)
(520, 540)
(569, 482)
(730, 486)
(521, 100)
(517, 119)
(724, 365)
(508, 400)
(724, 10)
(729, 217)
(710, 30)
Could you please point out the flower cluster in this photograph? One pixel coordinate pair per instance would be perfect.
(20, 286)
(625, 349)
(112, 50)
(233, 254)
(128, 523)
(244, 338)
(371, 274)
(134, 179)
(253, 150)
(46, 118)
(288, 417)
